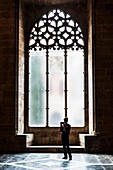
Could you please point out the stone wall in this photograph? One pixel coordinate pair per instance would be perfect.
(103, 77)
(21, 69)
(103, 20)
(8, 85)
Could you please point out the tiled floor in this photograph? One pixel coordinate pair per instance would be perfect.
(54, 161)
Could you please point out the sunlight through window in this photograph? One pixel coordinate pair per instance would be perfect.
(56, 67)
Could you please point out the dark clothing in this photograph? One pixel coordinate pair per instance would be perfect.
(65, 131)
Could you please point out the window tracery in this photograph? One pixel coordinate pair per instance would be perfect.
(56, 30)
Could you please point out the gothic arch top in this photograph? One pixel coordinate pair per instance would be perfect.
(56, 30)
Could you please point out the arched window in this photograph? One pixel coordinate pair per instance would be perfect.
(56, 67)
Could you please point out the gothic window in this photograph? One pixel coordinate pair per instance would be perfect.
(56, 66)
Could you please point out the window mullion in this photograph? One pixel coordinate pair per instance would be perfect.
(47, 87)
(65, 80)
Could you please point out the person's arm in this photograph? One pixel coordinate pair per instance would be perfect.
(61, 128)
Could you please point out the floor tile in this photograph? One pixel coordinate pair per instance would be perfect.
(54, 161)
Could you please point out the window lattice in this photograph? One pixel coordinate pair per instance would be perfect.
(56, 30)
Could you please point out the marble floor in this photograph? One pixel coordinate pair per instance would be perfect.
(54, 161)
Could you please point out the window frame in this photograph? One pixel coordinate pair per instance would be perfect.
(64, 46)
(35, 12)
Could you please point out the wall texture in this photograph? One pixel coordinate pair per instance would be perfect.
(103, 77)
(9, 142)
(103, 17)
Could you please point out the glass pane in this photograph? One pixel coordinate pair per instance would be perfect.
(56, 97)
(75, 87)
(37, 88)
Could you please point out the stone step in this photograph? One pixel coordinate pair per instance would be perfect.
(54, 149)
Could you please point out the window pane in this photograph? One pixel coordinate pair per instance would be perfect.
(56, 97)
(75, 87)
(37, 88)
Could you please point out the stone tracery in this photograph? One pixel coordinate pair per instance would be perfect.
(56, 30)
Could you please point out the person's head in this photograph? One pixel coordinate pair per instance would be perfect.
(66, 119)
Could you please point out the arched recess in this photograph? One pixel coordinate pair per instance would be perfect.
(28, 16)
(67, 37)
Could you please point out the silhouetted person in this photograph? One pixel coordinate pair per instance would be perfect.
(65, 131)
